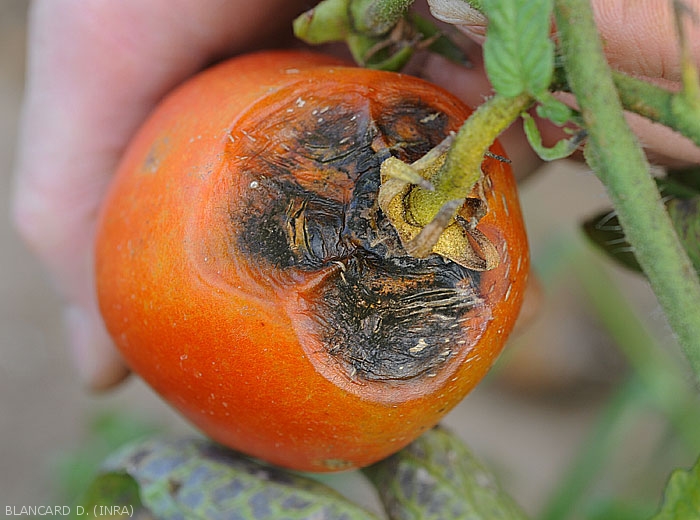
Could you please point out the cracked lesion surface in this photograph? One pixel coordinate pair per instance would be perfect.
(308, 205)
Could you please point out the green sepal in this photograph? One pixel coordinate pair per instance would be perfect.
(387, 43)
(373, 53)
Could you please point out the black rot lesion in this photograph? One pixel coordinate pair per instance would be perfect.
(385, 322)
(382, 314)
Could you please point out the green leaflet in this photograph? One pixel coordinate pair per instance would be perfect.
(682, 496)
(518, 53)
(197, 479)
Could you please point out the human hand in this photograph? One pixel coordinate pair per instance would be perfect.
(639, 39)
(95, 70)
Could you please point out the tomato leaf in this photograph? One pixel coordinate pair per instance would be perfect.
(195, 478)
(437, 477)
(518, 53)
(685, 214)
(682, 496)
(605, 231)
(682, 194)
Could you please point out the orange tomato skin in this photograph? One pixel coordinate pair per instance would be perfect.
(221, 336)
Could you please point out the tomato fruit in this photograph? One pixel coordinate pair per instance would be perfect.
(245, 270)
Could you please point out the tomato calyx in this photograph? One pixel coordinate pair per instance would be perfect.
(453, 232)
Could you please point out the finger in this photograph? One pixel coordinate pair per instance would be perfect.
(95, 69)
(639, 37)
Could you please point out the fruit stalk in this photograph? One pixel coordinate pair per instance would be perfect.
(462, 168)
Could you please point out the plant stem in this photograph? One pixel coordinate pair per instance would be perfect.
(619, 162)
(462, 168)
(659, 105)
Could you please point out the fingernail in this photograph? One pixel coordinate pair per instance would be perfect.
(98, 364)
(461, 14)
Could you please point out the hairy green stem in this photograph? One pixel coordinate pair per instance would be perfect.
(462, 168)
(659, 105)
(619, 162)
